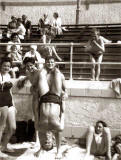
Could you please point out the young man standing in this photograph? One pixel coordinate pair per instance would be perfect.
(49, 94)
(52, 93)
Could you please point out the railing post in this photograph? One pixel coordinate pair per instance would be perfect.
(77, 12)
(71, 60)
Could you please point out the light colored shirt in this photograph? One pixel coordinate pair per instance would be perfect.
(21, 31)
(57, 22)
(10, 43)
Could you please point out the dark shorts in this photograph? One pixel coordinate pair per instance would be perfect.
(5, 98)
(50, 98)
(50, 118)
(96, 56)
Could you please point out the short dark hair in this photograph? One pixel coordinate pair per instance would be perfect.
(95, 30)
(28, 59)
(49, 57)
(24, 16)
(13, 17)
(102, 122)
(13, 35)
(5, 59)
(56, 14)
(19, 20)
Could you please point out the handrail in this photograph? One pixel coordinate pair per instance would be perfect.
(48, 44)
(71, 60)
(107, 63)
(71, 54)
(59, 44)
(85, 24)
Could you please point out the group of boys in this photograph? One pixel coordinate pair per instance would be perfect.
(49, 93)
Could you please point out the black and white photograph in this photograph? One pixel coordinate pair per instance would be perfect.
(60, 79)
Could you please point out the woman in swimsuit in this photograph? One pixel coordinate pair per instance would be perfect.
(6, 101)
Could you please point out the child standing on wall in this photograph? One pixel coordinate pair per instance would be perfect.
(95, 47)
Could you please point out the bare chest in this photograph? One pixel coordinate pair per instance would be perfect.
(50, 79)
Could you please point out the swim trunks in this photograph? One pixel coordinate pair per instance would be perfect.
(50, 98)
(5, 95)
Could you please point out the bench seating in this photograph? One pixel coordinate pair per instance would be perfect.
(81, 33)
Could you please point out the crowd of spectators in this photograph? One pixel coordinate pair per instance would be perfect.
(20, 28)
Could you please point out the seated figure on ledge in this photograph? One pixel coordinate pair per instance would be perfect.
(98, 141)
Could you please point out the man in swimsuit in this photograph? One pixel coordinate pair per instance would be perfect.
(96, 48)
(52, 93)
(32, 74)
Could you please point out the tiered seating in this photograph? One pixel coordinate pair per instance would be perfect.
(79, 34)
(83, 71)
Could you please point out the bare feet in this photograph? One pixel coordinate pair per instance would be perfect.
(58, 156)
(37, 154)
(3, 155)
(7, 150)
(92, 79)
(97, 79)
(35, 145)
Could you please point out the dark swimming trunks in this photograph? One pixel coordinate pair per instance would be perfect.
(5, 95)
(96, 56)
(50, 98)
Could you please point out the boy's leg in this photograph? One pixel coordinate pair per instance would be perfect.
(58, 137)
(3, 118)
(11, 127)
(89, 140)
(35, 108)
(98, 66)
(107, 142)
(93, 67)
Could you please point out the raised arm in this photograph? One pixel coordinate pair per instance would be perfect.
(64, 89)
(101, 46)
(21, 82)
(55, 53)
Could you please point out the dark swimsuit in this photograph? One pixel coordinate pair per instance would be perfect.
(50, 98)
(5, 95)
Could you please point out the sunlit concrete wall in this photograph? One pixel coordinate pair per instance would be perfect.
(94, 13)
(88, 102)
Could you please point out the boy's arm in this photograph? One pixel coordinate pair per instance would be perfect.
(100, 46)
(55, 53)
(21, 82)
(64, 89)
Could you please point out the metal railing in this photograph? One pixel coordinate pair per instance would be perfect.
(71, 53)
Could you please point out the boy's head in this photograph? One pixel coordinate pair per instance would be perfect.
(55, 15)
(47, 140)
(100, 126)
(5, 64)
(45, 15)
(50, 62)
(14, 48)
(95, 33)
(14, 37)
(33, 48)
(29, 62)
(24, 17)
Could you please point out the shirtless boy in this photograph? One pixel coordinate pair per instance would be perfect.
(52, 92)
(32, 74)
(96, 48)
(48, 87)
